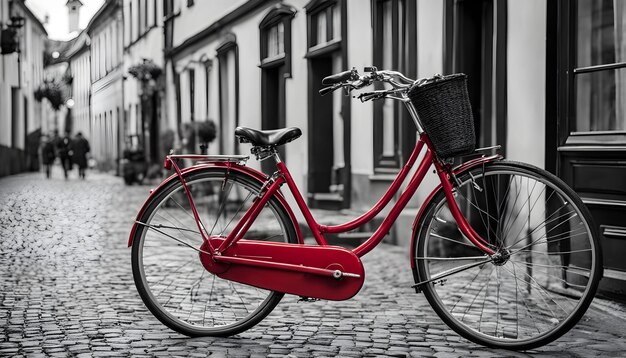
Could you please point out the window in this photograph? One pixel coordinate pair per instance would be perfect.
(275, 30)
(208, 64)
(275, 40)
(227, 55)
(179, 116)
(130, 22)
(600, 70)
(394, 49)
(324, 24)
(192, 94)
(140, 17)
(146, 16)
(168, 8)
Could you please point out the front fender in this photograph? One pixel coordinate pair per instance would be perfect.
(257, 175)
(457, 171)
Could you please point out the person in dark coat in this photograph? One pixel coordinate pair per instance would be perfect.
(65, 154)
(47, 154)
(79, 148)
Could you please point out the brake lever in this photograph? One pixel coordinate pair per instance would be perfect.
(366, 96)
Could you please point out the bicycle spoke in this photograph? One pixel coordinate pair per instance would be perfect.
(461, 258)
(525, 304)
(452, 240)
(547, 273)
(206, 305)
(468, 284)
(568, 235)
(175, 279)
(506, 231)
(529, 211)
(559, 266)
(561, 223)
(543, 230)
(477, 294)
(556, 253)
(222, 203)
(547, 295)
(237, 213)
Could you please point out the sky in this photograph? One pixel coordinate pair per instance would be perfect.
(57, 26)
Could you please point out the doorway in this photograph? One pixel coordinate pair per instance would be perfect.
(476, 45)
(325, 166)
(273, 111)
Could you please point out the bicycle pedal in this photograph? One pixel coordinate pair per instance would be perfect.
(308, 299)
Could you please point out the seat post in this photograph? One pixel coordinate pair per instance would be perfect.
(277, 157)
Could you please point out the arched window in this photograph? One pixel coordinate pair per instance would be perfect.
(275, 31)
(228, 60)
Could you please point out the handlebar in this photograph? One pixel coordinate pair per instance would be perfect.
(351, 80)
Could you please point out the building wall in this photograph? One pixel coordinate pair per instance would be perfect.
(80, 65)
(201, 14)
(141, 43)
(106, 88)
(526, 79)
(20, 114)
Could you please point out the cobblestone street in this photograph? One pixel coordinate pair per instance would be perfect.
(66, 289)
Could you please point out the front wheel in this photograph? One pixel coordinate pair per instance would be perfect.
(546, 269)
(168, 273)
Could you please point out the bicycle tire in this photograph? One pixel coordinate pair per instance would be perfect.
(521, 310)
(227, 311)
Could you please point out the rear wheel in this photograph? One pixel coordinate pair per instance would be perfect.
(546, 269)
(168, 273)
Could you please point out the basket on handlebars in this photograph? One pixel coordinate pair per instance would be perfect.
(444, 109)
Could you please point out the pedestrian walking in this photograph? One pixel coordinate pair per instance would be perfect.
(47, 154)
(64, 153)
(79, 148)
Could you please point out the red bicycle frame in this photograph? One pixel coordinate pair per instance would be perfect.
(272, 186)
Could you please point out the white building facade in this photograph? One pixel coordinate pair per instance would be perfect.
(143, 95)
(20, 74)
(106, 33)
(80, 69)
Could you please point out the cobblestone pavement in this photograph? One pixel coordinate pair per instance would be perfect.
(66, 289)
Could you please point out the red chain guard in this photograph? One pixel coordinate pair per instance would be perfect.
(288, 281)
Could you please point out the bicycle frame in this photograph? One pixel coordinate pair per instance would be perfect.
(282, 176)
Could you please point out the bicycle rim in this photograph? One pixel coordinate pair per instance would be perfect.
(549, 264)
(166, 265)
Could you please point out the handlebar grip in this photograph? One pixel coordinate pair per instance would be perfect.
(337, 78)
(326, 90)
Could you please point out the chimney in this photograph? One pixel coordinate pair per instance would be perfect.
(73, 11)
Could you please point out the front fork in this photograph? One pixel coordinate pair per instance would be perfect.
(446, 176)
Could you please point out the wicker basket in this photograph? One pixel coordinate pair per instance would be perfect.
(444, 109)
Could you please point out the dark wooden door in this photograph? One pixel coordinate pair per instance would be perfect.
(586, 118)
(273, 111)
(320, 128)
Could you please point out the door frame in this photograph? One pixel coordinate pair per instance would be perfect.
(312, 8)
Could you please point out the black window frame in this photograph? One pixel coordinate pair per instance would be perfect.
(313, 9)
(229, 44)
(279, 14)
(561, 54)
(404, 59)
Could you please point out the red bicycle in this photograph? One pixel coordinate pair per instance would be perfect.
(505, 253)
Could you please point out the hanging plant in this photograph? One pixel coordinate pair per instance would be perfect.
(53, 92)
(145, 71)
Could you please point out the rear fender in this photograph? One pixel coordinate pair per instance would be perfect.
(260, 177)
(457, 171)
